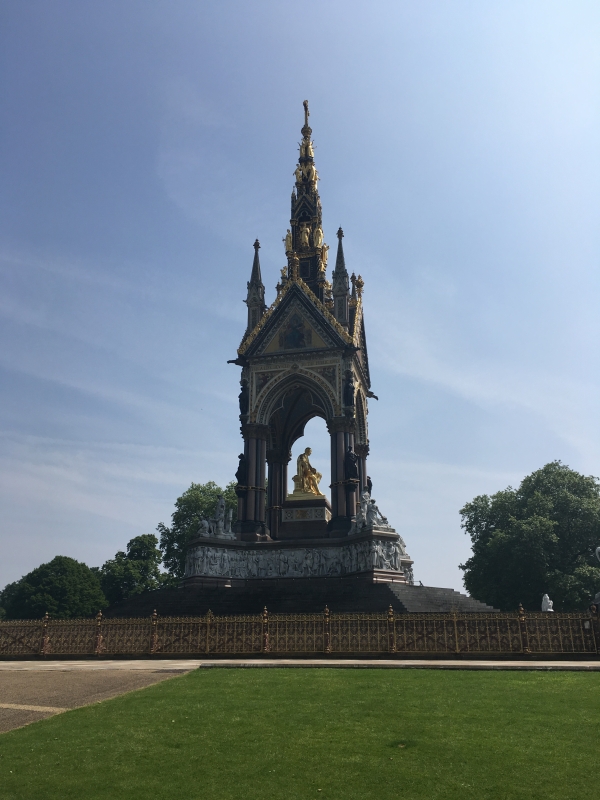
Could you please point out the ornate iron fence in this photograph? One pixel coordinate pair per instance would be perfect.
(307, 634)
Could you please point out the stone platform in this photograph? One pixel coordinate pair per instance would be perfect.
(300, 595)
(378, 553)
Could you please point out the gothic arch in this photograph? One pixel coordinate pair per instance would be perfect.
(288, 406)
(275, 393)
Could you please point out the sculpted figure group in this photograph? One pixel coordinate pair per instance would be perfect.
(306, 172)
(219, 525)
(368, 516)
(214, 561)
(307, 149)
(304, 241)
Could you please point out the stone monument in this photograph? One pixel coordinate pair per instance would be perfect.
(305, 356)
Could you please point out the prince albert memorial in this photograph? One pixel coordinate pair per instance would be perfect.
(326, 542)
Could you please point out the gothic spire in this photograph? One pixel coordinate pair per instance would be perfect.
(340, 261)
(256, 292)
(304, 245)
(255, 277)
(340, 284)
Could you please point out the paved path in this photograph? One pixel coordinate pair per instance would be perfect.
(167, 666)
(34, 690)
(28, 695)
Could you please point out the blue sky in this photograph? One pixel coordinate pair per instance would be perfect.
(145, 145)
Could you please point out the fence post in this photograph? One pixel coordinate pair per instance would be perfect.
(326, 631)
(523, 630)
(45, 645)
(595, 623)
(209, 616)
(153, 633)
(98, 643)
(456, 647)
(265, 631)
(391, 630)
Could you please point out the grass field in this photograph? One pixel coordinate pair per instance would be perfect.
(288, 734)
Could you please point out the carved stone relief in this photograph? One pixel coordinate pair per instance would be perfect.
(316, 514)
(302, 562)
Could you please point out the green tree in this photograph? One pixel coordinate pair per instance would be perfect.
(535, 539)
(196, 503)
(63, 587)
(133, 572)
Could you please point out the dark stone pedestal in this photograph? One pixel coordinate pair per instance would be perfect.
(304, 518)
(339, 526)
(251, 531)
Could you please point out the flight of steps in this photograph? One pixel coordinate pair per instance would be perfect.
(431, 599)
(298, 596)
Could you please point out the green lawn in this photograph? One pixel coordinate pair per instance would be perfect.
(284, 734)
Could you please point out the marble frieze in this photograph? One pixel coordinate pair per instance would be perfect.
(376, 552)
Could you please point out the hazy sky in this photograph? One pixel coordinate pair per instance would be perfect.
(145, 145)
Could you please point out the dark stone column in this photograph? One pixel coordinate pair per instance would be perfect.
(333, 463)
(340, 450)
(362, 451)
(351, 486)
(261, 460)
(251, 523)
(277, 461)
(341, 430)
(251, 494)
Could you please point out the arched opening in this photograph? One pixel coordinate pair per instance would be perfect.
(315, 436)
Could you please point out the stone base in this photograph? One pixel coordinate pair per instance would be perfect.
(339, 526)
(251, 531)
(377, 554)
(304, 517)
(349, 594)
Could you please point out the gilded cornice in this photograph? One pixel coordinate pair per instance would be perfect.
(325, 311)
(247, 341)
(277, 302)
(357, 321)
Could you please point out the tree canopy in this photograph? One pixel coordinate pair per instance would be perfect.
(63, 587)
(133, 572)
(539, 538)
(197, 502)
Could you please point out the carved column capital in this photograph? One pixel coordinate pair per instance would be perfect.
(341, 424)
(278, 456)
(362, 450)
(254, 431)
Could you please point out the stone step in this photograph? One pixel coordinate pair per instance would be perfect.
(299, 596)
(427, 599)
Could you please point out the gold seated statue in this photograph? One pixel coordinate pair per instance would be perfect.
(306, 481)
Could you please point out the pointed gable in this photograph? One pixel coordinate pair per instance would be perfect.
(296, 321)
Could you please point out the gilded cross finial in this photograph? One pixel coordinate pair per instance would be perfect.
(306, 130)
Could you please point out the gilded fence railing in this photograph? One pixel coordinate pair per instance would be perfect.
(376, 634)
